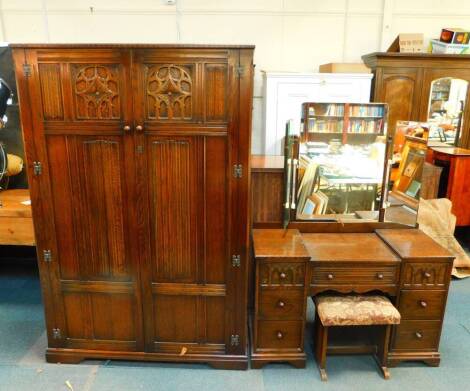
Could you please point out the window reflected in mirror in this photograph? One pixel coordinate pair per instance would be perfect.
(446, 107)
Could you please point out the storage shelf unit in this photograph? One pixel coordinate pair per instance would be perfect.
(368, 121)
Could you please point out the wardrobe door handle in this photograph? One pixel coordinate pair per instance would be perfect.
(126, 128)
(139, 128)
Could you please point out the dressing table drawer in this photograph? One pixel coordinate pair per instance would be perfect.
(281, 274)
(417, 335)
(422, 304)
(281, 303)
(280, 334)
(336, 275)
(421, 275)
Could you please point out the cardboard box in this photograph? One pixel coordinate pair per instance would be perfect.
(437, 46)
(411, 43)
(343, 67)
(455, 35)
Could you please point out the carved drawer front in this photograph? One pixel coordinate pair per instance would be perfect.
(281, 303)
(354, 275)
(426, 275)
(280, 334)
(274, 274)
(422, 304)
(417, 335)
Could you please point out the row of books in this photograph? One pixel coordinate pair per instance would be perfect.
(325, 126)
(366, 111)
(336, 126)
(336, 110)
(365, 126)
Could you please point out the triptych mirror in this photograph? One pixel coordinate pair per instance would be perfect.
(342, 166)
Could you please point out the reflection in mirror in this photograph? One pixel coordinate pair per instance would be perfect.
(341, 161)
(446, 107)
(409, 153)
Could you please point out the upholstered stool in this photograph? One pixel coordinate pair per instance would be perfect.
(353, 310)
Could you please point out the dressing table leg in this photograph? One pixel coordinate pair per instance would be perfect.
(321, 345)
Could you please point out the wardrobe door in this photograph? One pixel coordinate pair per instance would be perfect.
(83, 199)
(185, 114)
(400, 88)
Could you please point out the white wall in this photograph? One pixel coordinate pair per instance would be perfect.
(290, 35)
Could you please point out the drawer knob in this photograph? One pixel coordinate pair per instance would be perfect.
(279, 335)
(330, 276)
(281, 304)
(380, 276)
(427, 274)
(282, 276)
(423, 304)
(418, 335)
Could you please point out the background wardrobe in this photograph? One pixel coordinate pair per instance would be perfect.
(138, 161)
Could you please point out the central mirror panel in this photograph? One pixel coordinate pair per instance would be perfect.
(336, 162)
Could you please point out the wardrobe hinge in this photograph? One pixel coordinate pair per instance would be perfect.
(236, 260)
(27, 70)
(237, 170)
(240, 71)
(56, 334)
(235, 340)
(47, 256)
(37, 168)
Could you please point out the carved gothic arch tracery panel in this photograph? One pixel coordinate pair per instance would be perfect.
(96, 91)
(169, 89)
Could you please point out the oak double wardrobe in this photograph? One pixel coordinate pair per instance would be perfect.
(138, 167)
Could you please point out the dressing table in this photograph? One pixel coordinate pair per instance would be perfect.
(361, 248)
(291, 265)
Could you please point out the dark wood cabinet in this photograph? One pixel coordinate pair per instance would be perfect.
(403, 81)
(140, 217)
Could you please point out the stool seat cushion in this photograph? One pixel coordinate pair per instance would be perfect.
(356, 310)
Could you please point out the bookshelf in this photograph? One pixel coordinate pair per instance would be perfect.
(352, 123)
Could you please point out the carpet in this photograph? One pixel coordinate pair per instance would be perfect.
(23, 368)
